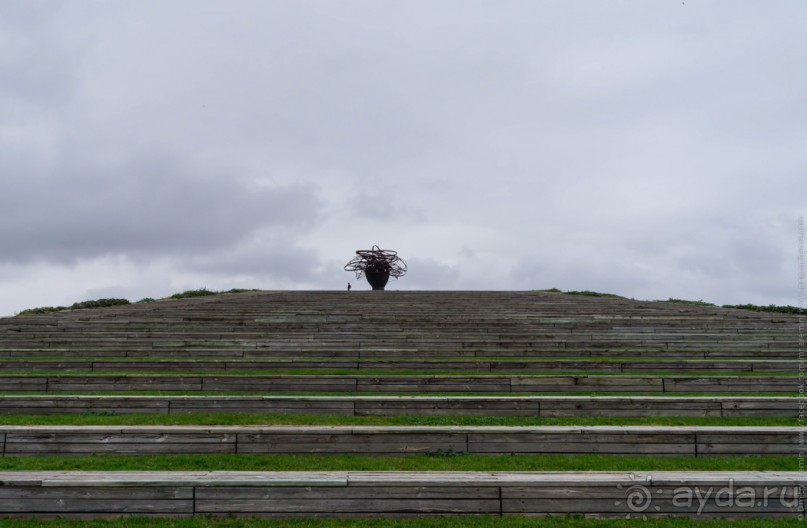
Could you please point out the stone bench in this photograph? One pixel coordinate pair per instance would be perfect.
(394, 383)
(525, 406)
(481, 366)
(399, 440)
(352, 494)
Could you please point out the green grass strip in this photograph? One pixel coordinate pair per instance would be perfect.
(123, 393)
(103, 418)
(438, 461)
(421, 522)
(167, 370)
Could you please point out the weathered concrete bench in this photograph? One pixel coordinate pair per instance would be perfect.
(606, 440)
(537, 366)
(528, 406)
(351, 494)
(218, 350)
(397, 383)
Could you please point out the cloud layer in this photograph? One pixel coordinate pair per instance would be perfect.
(648, 149)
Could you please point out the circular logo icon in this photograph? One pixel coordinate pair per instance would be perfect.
(638, 498)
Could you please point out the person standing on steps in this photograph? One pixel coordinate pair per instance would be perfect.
(348, 286)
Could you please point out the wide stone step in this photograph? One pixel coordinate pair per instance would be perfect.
(482, 366)
(399, 440)
(397, 383)
(318, 341)
(354, 493)
(390, 352)
(525, 406)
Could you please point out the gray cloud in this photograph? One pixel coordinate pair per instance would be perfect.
(651, 149)
(274, 258)
(430, 274)
(37, 66)
(148, 206)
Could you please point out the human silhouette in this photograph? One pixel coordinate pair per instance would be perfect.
(348, 286)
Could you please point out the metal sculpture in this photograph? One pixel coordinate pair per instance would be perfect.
(378, 265)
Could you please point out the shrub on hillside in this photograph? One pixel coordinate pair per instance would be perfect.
(42, 310)
(204, 292)
(201, 292)
(594, 294)
(684, 301)
(100, 303)
(769, 308)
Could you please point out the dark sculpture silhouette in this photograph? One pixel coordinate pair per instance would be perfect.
(378, 265)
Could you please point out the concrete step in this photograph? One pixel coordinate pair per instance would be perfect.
(398, 383)
(406, 440)
(537, 366)
(353, 493)
(525, 406)
(358, 351)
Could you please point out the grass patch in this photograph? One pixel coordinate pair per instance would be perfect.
(99, 303)
(103, 303)
(420, 522)
(421, 462)
(178, 370)
(204, 292)
(201, 292)
(753, 307)
(123, 393)
(769, 308)
(588, 293)
(699, 302)
(401, 420)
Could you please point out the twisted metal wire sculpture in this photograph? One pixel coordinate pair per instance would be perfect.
(377, 265)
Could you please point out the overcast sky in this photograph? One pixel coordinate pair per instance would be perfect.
(652, 149)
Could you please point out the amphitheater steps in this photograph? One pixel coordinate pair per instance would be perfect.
(403, 319)
(505, 348)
